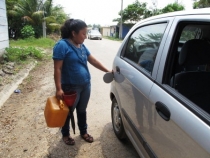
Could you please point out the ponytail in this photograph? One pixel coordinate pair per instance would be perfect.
(71, 25)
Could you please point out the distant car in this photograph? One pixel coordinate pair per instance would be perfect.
(161, 89)
(94, 34)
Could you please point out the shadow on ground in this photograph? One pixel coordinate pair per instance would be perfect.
(112, 147)
(58, 149)
(107, 145)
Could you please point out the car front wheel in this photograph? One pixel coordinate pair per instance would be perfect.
(117, 121)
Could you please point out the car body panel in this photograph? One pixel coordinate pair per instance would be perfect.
(121, 92)
(186, 132)
(133, 94)
(183, 131)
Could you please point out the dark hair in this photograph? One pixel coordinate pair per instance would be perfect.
(72, 25)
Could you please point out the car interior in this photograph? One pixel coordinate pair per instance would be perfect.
(190, 73)
(138, 52)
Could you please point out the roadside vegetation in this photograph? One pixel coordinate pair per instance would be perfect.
(25, 52)
(112, 38)
(33, 42)
(25, 49)
(27, 21)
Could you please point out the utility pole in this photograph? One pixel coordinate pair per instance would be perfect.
(121, 27)
(44, 22)
(44, 28)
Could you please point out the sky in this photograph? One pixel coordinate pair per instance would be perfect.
(102, 12)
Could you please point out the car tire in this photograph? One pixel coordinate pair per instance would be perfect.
(117, 121)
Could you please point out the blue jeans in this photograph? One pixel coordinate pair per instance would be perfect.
(83, 95)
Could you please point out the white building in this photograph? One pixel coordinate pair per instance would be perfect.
(4, 38)
(105, 30)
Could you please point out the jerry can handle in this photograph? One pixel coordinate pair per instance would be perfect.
(61, 105)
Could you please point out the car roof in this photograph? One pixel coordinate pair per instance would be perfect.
(202, 11)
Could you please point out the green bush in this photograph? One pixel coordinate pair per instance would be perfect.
(34, 52)
(15, 54)
(27, 31)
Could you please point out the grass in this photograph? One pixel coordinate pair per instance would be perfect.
(112, 38)
(24, 51)
(33, 42)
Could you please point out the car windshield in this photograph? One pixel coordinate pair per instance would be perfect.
(94, 31)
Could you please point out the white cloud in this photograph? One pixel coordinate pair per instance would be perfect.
(104, 11)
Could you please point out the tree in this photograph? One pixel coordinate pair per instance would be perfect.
(172, 8)
(133, 12)
(55, 18)
(14, 19)
(201, 4)
(26, 13)
(33, 12)
(153, 12)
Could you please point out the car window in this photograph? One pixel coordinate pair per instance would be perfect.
(143, 44)
(190, 32)
(95, 31)
(189, 72)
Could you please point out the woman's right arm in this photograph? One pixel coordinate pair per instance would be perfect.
(57, 77)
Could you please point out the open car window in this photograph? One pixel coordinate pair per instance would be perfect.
(190, 71)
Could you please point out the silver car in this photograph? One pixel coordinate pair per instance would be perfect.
(94, 34)
(161, 88)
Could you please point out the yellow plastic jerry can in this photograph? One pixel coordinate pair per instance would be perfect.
(55, 112)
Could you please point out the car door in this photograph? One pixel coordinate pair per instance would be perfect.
(181, 128)
(135, 70)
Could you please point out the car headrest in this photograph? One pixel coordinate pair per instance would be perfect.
(195, 52)
(148, 54)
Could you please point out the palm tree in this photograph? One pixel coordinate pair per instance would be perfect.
(33, 12)
(27, 12)
(55, 18)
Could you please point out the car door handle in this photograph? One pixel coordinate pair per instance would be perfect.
(163, 111)
(118, 69)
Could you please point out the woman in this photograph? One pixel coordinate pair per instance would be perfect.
(71, 73)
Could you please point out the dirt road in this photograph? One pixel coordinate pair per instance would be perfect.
(24, 132)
